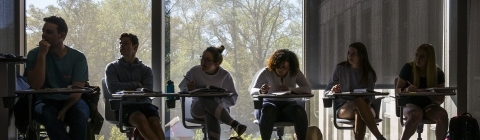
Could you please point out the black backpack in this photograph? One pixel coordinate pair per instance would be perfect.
(20, 109)
(464, 127)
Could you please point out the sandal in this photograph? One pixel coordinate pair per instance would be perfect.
(240, 129)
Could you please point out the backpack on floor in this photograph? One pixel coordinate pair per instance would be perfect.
(20, 109)
(463, 127)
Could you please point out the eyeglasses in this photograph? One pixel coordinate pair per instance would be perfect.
(203, 59)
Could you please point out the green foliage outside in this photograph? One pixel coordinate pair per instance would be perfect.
(250, 31)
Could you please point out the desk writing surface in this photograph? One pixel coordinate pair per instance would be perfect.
(52, 91)
(13, 60)
(425, 93)
(284, 96)
(144, 94)
(140, 92)
(442, 88)
(358, 94)
(205, 94)
(147, 94)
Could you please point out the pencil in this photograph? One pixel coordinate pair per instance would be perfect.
(186, 78)
(409, 83)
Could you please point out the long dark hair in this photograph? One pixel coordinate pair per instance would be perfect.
(365, 66)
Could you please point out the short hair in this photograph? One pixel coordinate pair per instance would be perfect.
(61, 24)
(132, 37)
(281, 56)
(216, 53)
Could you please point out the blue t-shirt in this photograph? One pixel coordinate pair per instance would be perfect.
(60, 72)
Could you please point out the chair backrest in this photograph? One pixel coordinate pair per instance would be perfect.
(377, 103)
(109, 113)
(397, 108)
(301, 103)
(188, 107)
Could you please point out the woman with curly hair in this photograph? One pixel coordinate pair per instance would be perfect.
(281, 74)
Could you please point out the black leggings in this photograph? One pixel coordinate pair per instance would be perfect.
(288, 111)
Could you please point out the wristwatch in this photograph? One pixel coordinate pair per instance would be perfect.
(260, 91)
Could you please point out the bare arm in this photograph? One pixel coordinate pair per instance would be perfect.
(258, 80)
(70, 101)
(36, 77)
(400, 84)
(439, 99)
(332, 82)
(74, 97)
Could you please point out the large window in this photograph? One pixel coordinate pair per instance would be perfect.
(94, 27)
(250, 31)
(392, 30)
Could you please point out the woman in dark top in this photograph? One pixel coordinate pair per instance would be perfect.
(415, 77)
(355, 73)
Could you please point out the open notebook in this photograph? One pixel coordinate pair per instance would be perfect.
(208, 89)
(282, 93)
(442, 89)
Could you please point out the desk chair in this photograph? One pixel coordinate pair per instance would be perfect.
(95, 119)
(400, 103)
(278, 126)
(110, 116)
(187, 117)
(377, 102)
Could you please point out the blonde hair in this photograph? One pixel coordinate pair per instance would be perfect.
(431, 67)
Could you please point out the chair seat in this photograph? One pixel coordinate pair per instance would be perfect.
(38, 122)
(276, 124)
(283, 124)
(347, 121)
(195, 121)
(113, 122)
(424, 121)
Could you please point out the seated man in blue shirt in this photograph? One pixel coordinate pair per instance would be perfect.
(129, 73)
(55, 65)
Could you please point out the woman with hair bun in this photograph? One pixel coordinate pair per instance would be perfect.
(212, 110)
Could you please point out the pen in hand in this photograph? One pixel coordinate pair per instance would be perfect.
(186, 78)
(410, 86)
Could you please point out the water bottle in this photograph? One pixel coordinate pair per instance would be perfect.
(170, 89)
(170, 99)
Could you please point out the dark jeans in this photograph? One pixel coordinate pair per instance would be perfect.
(282, 111)
(46, 112)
